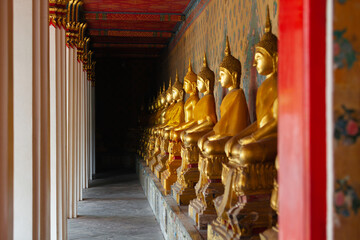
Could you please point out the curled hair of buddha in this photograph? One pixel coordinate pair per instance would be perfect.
(269, 41)
(207, 75)
(230, 63)
(190, 75)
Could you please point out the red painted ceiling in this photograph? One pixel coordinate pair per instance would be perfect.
(133, 28)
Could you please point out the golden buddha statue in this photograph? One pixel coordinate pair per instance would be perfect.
(244, 208)
(234, 118)
(152, 160)
(169, 176)
(148, 140)
(204, 120)
(173, 117)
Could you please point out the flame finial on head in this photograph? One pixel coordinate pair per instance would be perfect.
(169, 84)
(176, 76)
(190, 75)
(227, 48)
(268, 41)
(205, 63)
(190, 67)
(268, 27)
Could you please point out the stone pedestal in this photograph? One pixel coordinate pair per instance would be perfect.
(169, 176)
(161, 164)
(244, 209)
(162, 158)
(184, 188)
(249, 217)
(174, 222)
(209, 187)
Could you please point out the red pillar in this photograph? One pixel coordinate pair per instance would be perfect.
(302, 120)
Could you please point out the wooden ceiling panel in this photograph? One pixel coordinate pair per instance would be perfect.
(127, 40)
(148, 6)
(132, 25)
(145, 27)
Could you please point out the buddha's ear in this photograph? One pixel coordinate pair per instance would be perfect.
(193, 84)
(275, 61)
(207, 84)
(234, 76)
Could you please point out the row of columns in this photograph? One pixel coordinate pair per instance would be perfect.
(47, 124)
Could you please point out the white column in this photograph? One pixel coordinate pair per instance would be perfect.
(64, 133)
(70, 144)
(87, 130)
(41, 120)
(23, 124)
(92, 130)
(74, 135)
(53, 130)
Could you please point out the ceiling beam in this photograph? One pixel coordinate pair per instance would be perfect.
(127, 33)
(121, 16)
(127, 45)
(142, 40)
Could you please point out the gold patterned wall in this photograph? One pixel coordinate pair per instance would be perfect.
(205, 30)
(347, 119)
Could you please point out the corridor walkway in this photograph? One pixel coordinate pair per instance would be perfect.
(116, 209)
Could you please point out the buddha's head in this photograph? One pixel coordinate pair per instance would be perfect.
(177, 89)
(205, 78)
(190, 81)
(266, 54)
(169, 98)
(230, 69)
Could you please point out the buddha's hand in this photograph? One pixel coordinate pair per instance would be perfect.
(247, 140)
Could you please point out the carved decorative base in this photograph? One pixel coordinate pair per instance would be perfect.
(184, 189)
(169, 176)
(209, 187)
(249, 217)
(153, 162)
(161, 166)
(183, 194)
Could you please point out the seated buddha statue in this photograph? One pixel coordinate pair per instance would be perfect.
(165, 100)
(234, 118)
(173, 117)
(244, 208)
(170, 174)
(148, 139)
(203, 121)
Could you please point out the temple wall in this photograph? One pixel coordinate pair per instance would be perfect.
(205, 30)
(346, 109)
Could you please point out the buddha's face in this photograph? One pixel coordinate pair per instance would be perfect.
(169, 97)
(225, 78)
(175, 94)
(201, 85)
(188, 87)
(263, 62)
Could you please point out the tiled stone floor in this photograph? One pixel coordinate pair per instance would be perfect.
(116, 209)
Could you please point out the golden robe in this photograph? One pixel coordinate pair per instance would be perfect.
(205, 108)
(189, 107)
(175, 114)
(234, 114)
